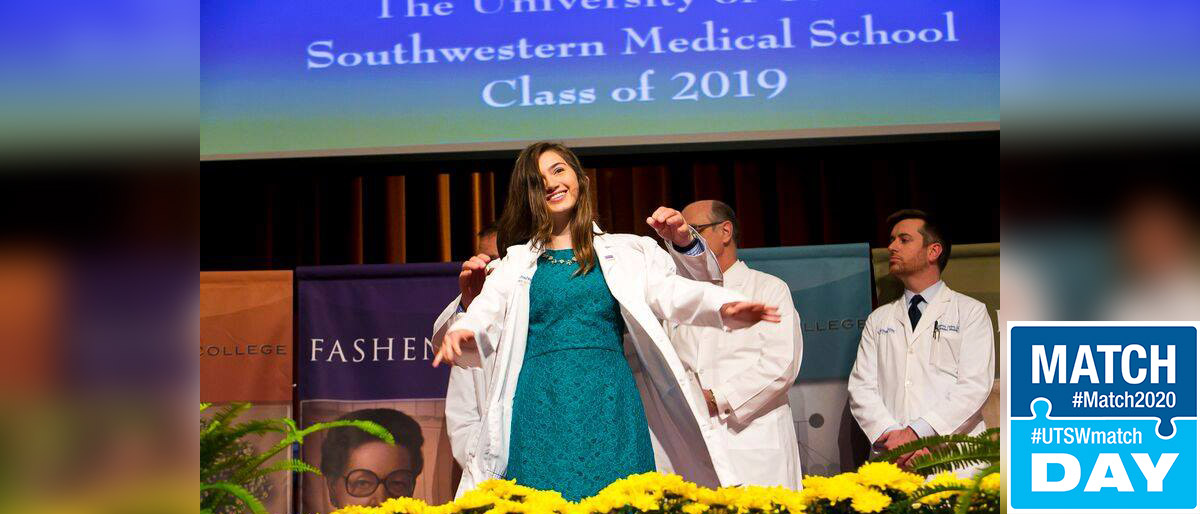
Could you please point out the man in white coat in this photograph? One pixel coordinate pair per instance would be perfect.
(926, 361)
(745, 375)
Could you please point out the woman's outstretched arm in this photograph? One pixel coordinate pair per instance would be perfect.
(688, 302)
(474, 335)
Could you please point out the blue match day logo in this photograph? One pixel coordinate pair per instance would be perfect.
(1102, 417)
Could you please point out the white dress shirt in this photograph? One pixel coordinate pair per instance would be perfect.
(920, 426)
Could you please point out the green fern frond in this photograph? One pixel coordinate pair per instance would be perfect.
(247, 499)
(220, 436)
(968, 497)
(928, 490)
(994, 468)
(982, 441)
(258, 427)
(369, 427)
(227, 414)
(295, 465)
(950, 458)
(216, 445)
(212, 447)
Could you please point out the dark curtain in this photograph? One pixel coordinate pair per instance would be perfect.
(283, 213)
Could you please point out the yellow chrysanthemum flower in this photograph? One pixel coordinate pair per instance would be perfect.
(475, 499)
(403, 506)
(991, 483)
(496, 486)
(944, 478)
(841, 487)
(606, 501)
(726, 496)
(814, 489)
(885, 475)
(511, 507)
(869, 500)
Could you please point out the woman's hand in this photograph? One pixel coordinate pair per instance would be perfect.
(670, 225)
(470, 279)
(737, 315)
(453, 345)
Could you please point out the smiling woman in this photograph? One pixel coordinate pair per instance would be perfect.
(556, 314)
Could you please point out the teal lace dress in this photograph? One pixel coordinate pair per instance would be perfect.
(578, 423)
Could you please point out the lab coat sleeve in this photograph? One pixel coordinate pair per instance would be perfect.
(463, 414)
(976, 363)
(674, 298)
(773, 373)
(702, 267)
(866, 402)
(485, 316)
(444, 320)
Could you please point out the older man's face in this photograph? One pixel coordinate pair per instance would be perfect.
(700, 214)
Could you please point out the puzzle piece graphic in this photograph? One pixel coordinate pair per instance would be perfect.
(1109, 455)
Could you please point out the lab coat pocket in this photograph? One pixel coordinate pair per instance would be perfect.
(761, 434)
(946, 347)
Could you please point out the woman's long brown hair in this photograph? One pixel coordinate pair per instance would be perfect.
(527, 219)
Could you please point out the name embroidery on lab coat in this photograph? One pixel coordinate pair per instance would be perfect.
(948, 328)
(886, 330)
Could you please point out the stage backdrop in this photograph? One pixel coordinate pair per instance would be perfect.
(246, 356)
(364, 351)
(831, 288)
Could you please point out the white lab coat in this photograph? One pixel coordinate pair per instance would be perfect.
(750, 373)
(941, 372)
(465, 396)
(642, 278)
(466, 393)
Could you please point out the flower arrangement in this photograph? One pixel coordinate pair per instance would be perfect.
(876, 487)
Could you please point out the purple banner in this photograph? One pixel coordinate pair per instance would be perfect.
(364, 330)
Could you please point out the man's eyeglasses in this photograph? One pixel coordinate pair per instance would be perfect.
(363, 482)
(700, 228)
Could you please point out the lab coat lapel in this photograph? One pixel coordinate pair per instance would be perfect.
(518, 306)
(608, 266)
(900, 312)
(613, 263)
